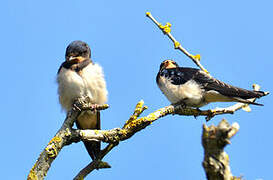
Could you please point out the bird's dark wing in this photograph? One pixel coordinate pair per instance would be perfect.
(220, 90)
(178, 75)
(209, 83)
(67, 64)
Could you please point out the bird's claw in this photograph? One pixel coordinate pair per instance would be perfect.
(76, 107)
(198, 113)
(181, 104)
(93, 108)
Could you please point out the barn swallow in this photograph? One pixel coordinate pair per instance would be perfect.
(194, 88)
(79, 77)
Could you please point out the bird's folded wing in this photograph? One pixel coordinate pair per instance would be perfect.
(209, 83)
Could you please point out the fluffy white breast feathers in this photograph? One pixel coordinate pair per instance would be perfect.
(89, 83)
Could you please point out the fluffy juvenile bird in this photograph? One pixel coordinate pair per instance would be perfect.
(79, 77)
(194, 88)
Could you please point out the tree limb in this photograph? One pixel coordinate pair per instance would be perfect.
(65, 136)
(135, 124)
(216, 160)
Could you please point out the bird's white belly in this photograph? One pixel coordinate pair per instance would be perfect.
(190, 92)
(71, 86)
(91, 83)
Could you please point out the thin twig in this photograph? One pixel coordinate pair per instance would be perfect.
(167, 30)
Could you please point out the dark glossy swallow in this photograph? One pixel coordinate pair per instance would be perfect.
(194, 88)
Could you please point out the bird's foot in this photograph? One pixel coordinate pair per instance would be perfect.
(80, 103)
(93, 108)
(77, 106)
(198, 113)
(181, 104)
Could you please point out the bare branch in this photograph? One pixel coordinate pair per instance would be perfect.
(63, 137)
(134, 125)
(167, 31)
(216, 160)
(66, 135)
(114, 136)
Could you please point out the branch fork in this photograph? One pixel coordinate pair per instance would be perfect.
(65, 136)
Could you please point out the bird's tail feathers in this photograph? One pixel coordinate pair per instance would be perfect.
(93, 148)
(89, 120)
(246, 101)
(261, 93)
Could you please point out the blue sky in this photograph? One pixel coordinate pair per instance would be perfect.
(233, 37)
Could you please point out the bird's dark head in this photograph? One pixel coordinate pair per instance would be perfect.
(77, 50)
(167, 64)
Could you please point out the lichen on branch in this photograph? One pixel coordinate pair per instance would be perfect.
(65, 136)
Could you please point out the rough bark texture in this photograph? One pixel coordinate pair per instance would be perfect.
(65, 136)
(216, 160)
